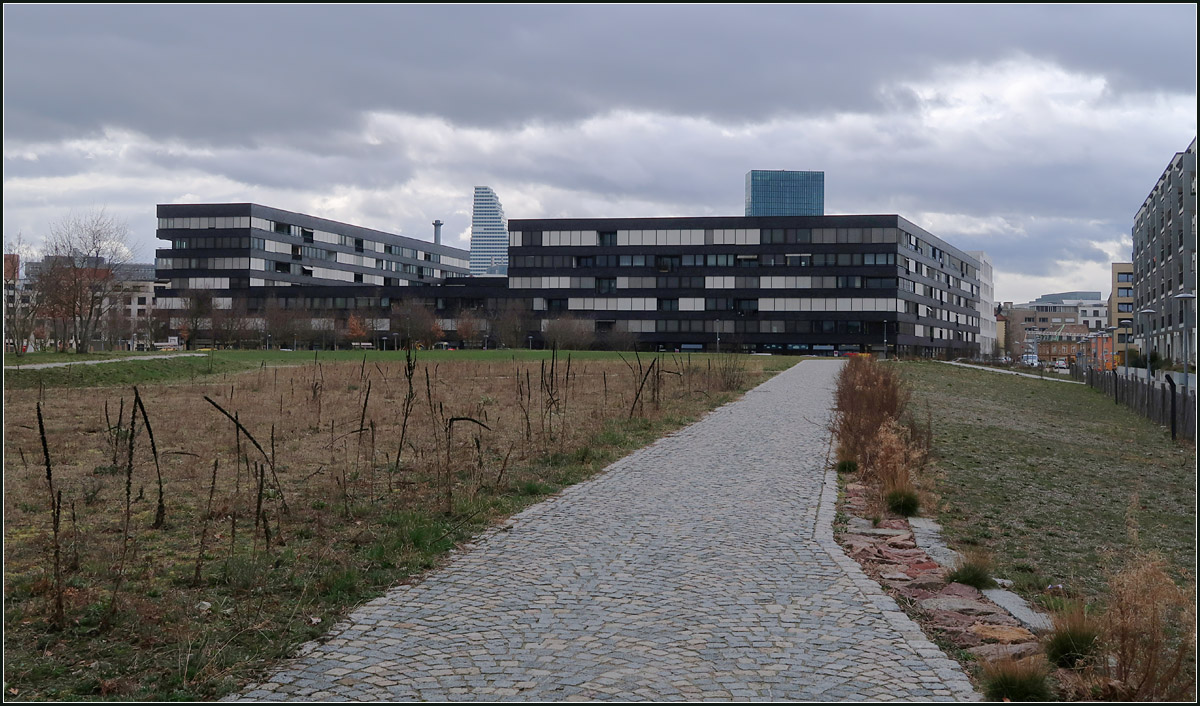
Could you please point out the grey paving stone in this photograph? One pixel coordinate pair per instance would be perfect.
(702, 567)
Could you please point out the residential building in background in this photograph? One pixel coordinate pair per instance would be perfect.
(824, 285)
(489, 235)
(1048, 326)
(242, 274)
(125, 307)
(1164, 260)
(233, 268)
(1093, 313)
(990, 338)
(783, 193)
(1120, 306)
(241, 245)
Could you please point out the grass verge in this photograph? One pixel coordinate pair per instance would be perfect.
(1054, 481)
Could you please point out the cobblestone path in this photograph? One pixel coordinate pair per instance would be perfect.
(701, 567)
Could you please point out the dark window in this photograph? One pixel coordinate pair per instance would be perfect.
(667, 263)
(608, 239)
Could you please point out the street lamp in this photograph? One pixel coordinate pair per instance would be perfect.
(1186, 299)
(1149, 379)
(718, 335)
(1125, 324)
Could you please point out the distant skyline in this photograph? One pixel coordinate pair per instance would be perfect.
(1031, 132)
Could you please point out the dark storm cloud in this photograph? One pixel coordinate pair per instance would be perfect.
(1031, 132)
(230, 74)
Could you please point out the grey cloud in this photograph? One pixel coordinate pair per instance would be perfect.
(270, 103)
(232, 73)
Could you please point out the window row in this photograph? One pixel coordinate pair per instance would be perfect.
(202, 263)
(224, 242)
(673, 262)
(710, 236)
(606, 285)
(194, 223)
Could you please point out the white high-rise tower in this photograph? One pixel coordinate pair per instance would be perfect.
(489, 235)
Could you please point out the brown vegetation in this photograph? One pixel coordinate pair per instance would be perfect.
(283, 497)
(872, 430)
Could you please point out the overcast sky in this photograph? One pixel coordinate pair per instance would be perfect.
(1033, 133)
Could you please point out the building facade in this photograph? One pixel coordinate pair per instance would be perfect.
(227, 265)
(817, 284)
(991, 339)
(783, 193)
(823, 285)
(489, 236)
(1120, 303)
(1164, 261)
(235, 246)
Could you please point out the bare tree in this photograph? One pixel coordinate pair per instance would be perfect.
(197, 317)
(619, 339)
(511, 324)
(231, 324)
(569, 332)
(284, 325)
(22, 301)
(153, 327)
(469, 329)
(415, 322)
(84, 254)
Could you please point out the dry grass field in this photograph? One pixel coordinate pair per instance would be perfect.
(252, 510)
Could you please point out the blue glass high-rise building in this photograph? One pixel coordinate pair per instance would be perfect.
(489, 234)
(782, 193)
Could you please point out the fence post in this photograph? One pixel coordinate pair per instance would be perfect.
(1171, 382)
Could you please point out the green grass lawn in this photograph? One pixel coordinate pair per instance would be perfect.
(37, 358)
(1053, 479)
(186, 368)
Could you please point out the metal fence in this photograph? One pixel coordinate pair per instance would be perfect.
(1162, 402)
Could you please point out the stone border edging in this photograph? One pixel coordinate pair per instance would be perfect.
(950, 671)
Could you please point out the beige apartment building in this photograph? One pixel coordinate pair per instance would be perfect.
(1120, 304)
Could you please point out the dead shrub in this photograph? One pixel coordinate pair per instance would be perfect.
(1149, 635)
(867, 394)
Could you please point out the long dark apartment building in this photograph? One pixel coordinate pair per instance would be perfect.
(1164, 262)
(789, 284)
(784, 284)
(239, 245)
